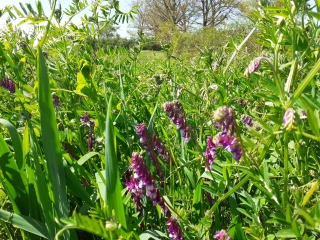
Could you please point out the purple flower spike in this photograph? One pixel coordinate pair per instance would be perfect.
(160, 148)
(143, 133)
(211, 152)
(231, 144)
(8, 84)
(141, 183)
(174, 229)
(224, 118)
(247, 120)
(289, 119)
(85, 120)
(222, 235)
(176, 114)
(55, 100)
(253, 66)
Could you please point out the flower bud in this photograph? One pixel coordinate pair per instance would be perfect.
(289, 119)
(253, 66)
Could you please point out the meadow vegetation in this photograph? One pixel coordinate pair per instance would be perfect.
(200, 140)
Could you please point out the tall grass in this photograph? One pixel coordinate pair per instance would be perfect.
(111, 143)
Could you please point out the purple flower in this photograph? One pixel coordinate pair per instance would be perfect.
(289, 119)
(253, 66)
(143, 133)
(160, 148)
(211, 152)
(174, 229)
(222, 235)
(85, 120)
(55, 100)
(225, 140)
(8, 84)
(303, 115)
(141, 183)
(230, 143)
(224, 118)
(247, 120)
(176, 114)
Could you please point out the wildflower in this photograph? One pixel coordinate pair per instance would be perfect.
(142, 132)
(45, 55)
(176, 114)
(222, 235)
(224, 118)
(160, 148)
(55, 100)
(289, 119)
(224, 140)
(215, 66)
(303, 115)
(214, 87)
(253, 66)
(8, 84)
(230, 143)
(247, 120)
(174, 229)
(211, 152)
(85, 120)
(141, 182)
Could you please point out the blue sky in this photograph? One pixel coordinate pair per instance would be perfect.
(124, 6)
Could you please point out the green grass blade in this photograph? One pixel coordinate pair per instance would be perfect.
(50, 139)
(16, 143)
(12, 180)
(26, 223)
(42, 192)
(113, 185)
(75, 186)
(304, 83)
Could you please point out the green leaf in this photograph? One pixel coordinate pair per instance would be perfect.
(50, 139)
(314, 14)
(24, 222)
(12, 179)
(88, 224)
(304, 83)
(314, 187)
(152, 234)
(75, 186)
(286, 233)
(113, 186)
(307, 216)
(86, 157)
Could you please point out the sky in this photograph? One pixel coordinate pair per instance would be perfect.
(124, 6)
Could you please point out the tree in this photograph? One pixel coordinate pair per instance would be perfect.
(214, 12)
(153, 14)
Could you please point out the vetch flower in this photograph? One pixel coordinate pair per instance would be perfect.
(142, 132)
(247, 120)
(55, 100)
(176, 114)
(223, 116)
(222, 235)
(8, 84)
(253, 66)
(141, 183)
(174, 229)
(211, 152)
(85, 120)
(230, 143)
(160, 148)
(289, 119)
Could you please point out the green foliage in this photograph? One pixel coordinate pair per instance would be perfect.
(66, 144)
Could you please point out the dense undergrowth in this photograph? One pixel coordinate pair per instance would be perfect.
(96, 143)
